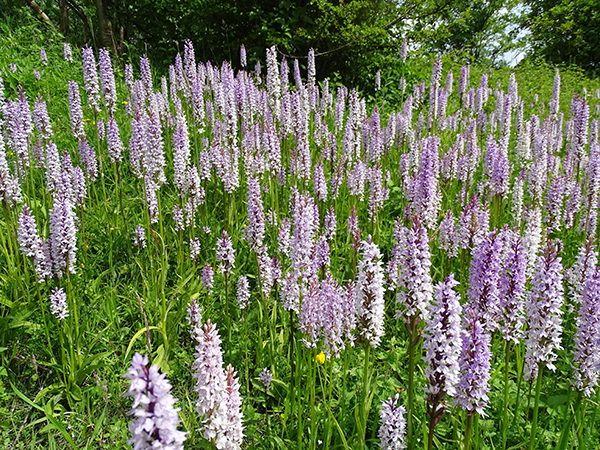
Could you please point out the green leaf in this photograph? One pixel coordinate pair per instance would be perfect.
(24, 398)
(49, 411)
(138, 334)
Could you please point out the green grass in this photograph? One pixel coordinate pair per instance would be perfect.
(46, 402)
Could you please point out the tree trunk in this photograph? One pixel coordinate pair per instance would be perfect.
(85, 22)
(64, 18)
(36, 8)
(105, 32)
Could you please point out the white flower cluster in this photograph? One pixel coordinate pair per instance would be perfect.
(392, 425)
(156, 419)
(544, 314)
(370, 306)
(219, 403)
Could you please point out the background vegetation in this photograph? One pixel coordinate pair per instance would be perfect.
(352, 40)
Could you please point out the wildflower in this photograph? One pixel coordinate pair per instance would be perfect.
(90, 78)
(273, 81)
(234, 429)
(31, 244)
(139, 237)
(413, 272)
(284, 237)
(206, 277)
(189, 60)
(442, 343)
(370, 306)
(243, 292)
(425, 196)
(63, 235)
(181, 153)
(178, 218)
(312, 71)
(58, 304)
(67, 55)
(512, 286)
(586, 359)
(254, 233)
(218, 402)
(194, 249)
(225, 253)
(43, 57)
(582, 270)
(194, 317)
(484, 281)
(475, 365)
(101, 129)
(41, 119)
(266, 378)
(353, 229)
(320, 184)
(447, 237)
(113, 140)
(76, 111)
(305, 228)
(544, 321)
(403, 50)
(321, 358)
(107, 80)
(392, 424)
(87, 155)
(243, 56)
(156, 419)
(330, 224)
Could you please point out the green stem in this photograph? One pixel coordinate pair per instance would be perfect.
(328, 434)
(412, 340)
(42, 308)
(468, 431)
(580, 422)
(63, 352)
(364, 414)
(228, 315)
(246, 353)
(120, 187)
(343, 394)
(520, 378)
(313, 419)
(505, 412)
(534, 423)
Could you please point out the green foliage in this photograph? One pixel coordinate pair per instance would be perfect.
(482, 29)
(45, 404)
(566, 32)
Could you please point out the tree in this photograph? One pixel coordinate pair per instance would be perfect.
(483, 29)
(566, 32)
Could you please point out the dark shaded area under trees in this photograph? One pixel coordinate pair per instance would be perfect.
(352, 39)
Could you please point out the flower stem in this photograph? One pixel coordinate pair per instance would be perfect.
(538, 388)
(364, 413)
(468, 431)
(412, 341)
(505, 412)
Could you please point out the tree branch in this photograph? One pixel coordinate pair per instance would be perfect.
(36, 8)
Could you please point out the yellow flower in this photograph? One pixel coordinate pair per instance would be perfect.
(125, 103)
(321, 358)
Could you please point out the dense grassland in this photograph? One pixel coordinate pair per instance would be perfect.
(432, 247)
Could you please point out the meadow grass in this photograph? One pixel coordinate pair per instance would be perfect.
(61, 382)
